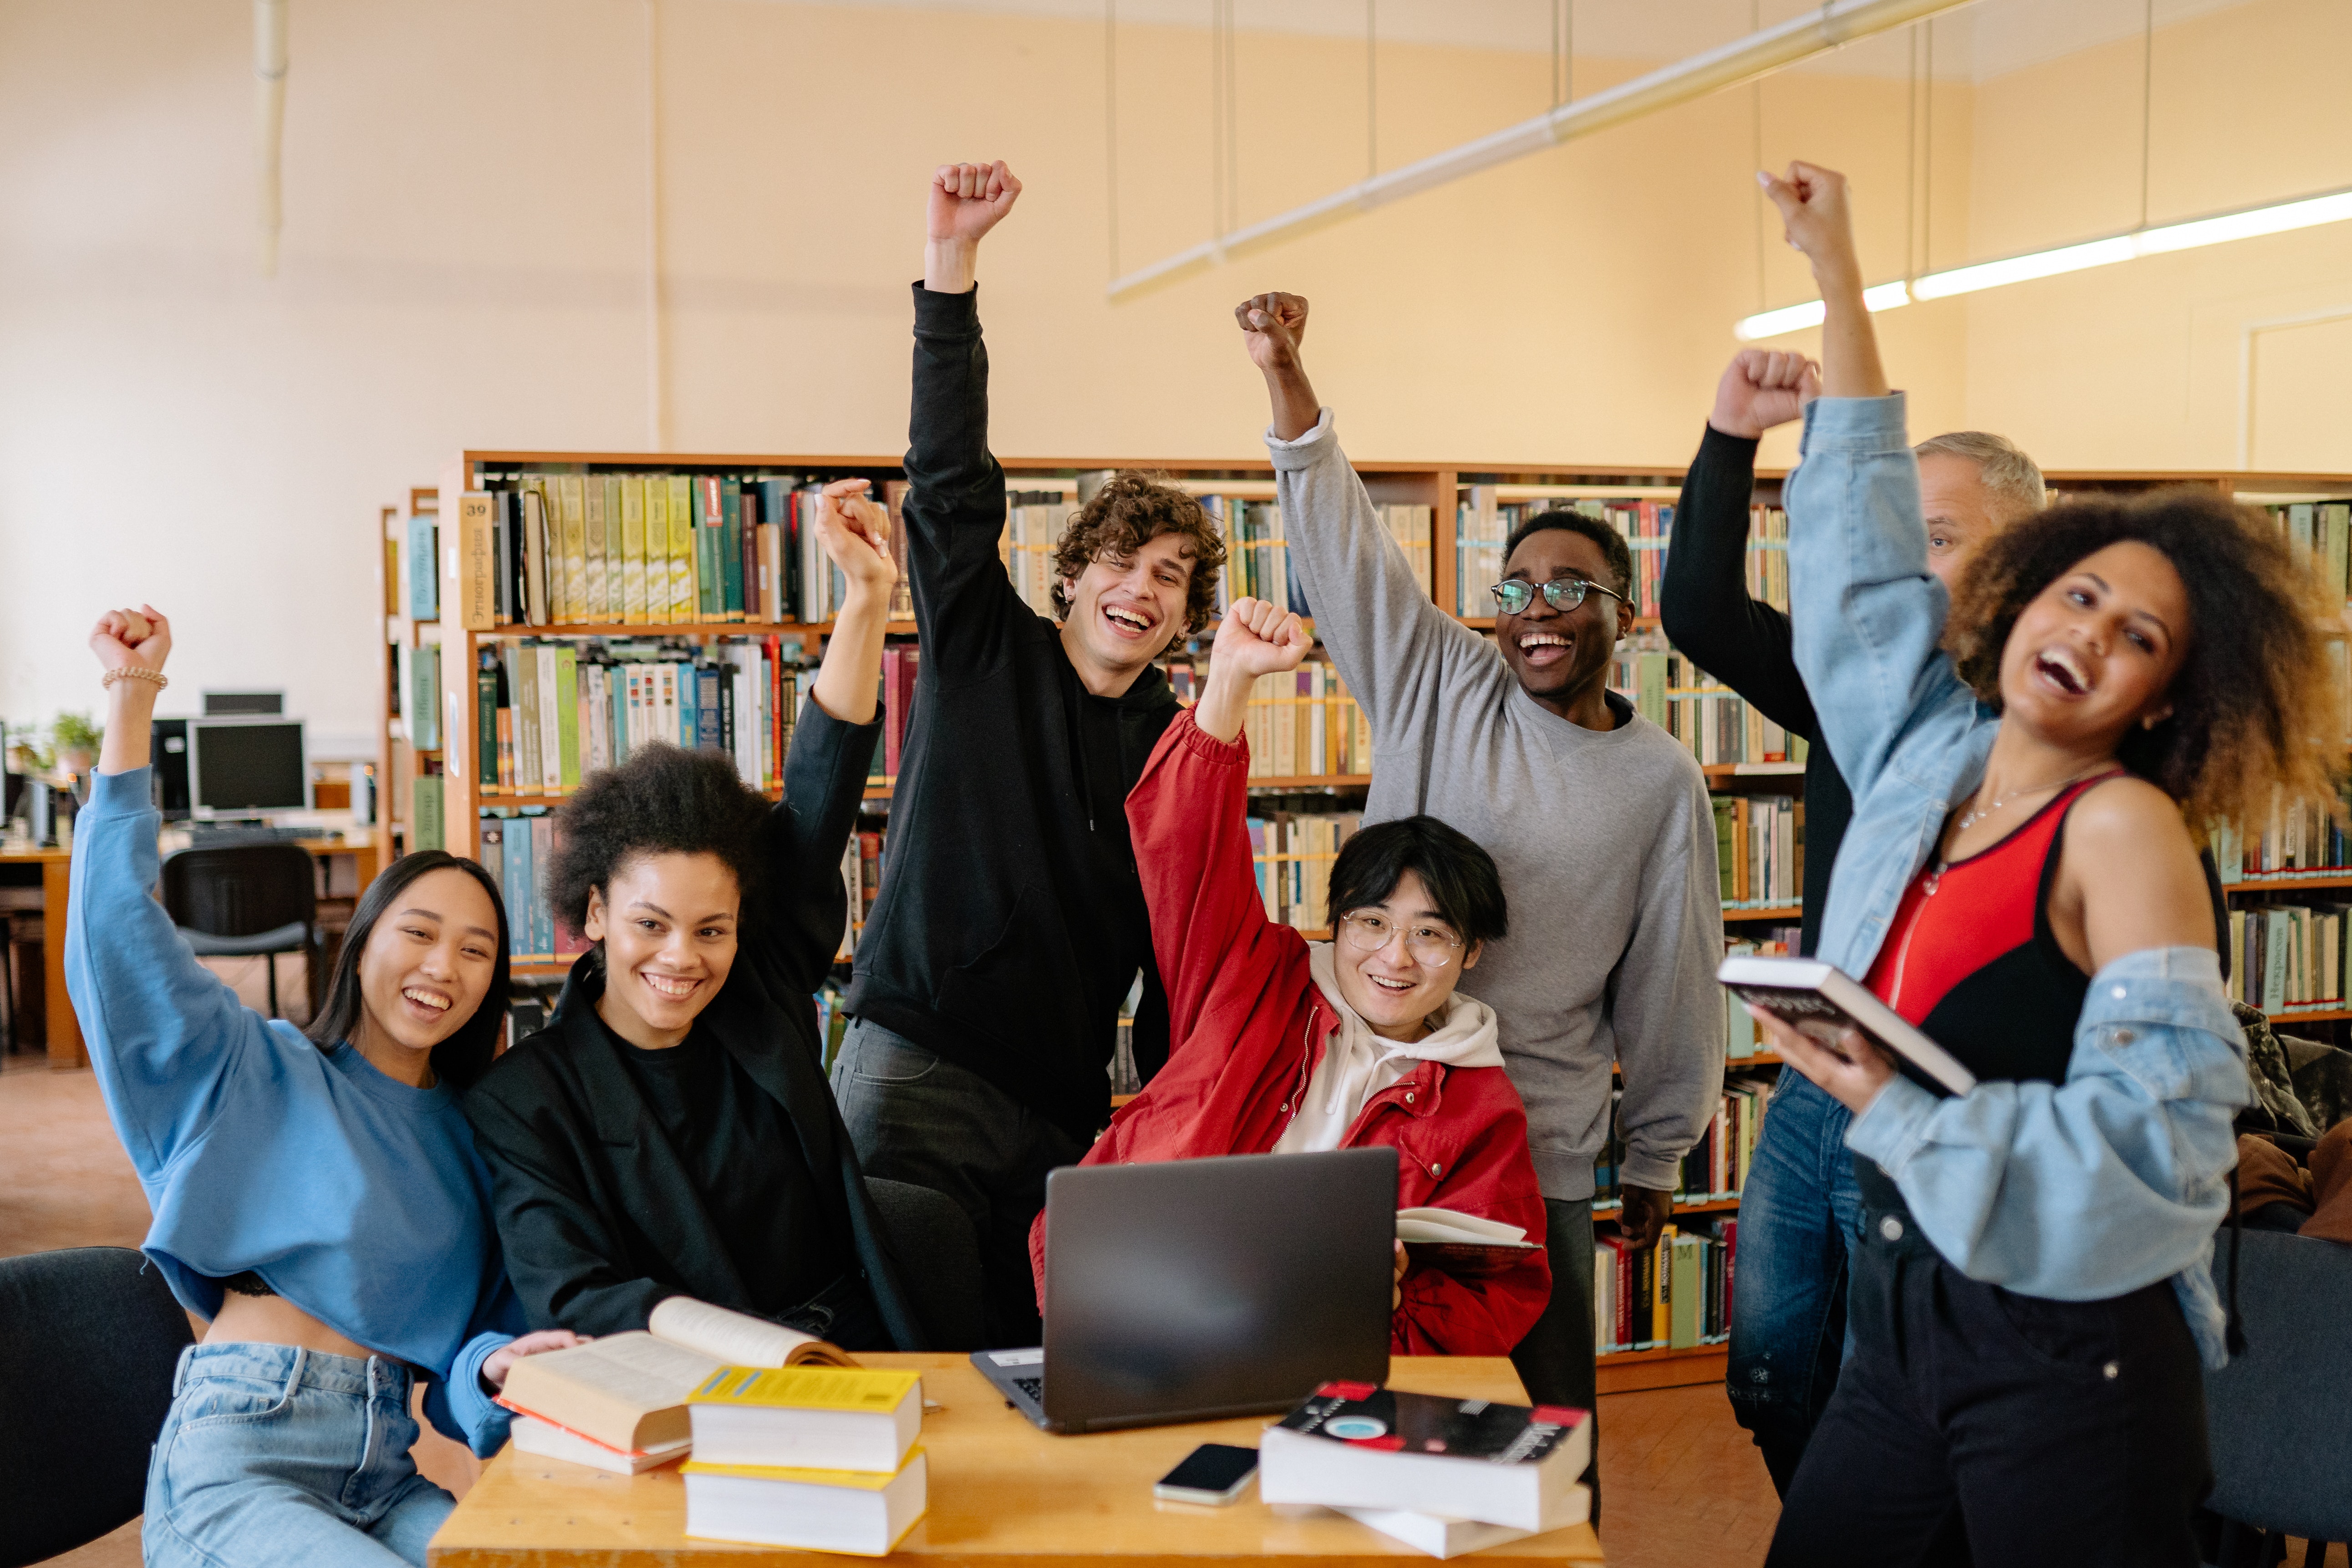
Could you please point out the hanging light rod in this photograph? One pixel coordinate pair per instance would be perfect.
(2279, 217)
(1818, 30)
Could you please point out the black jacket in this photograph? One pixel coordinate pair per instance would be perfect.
(1705, 607)
(597, 1215)
(1011, 922)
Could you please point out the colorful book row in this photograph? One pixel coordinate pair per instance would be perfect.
(2285, 956)
(1675, 1296)
(1760, 849)
(1293, 852)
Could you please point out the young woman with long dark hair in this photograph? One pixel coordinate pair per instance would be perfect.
(2030, 1296)
(669, 1132)
(316, 1198)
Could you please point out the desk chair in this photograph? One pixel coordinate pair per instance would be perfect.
(939, 1260)
(2275, 1415)
(20, 925)
(88, 1341)
(250, 901)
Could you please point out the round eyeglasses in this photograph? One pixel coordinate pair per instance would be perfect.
(1432, 947)
(1563, 594)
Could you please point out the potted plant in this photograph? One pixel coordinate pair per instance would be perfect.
(76, 740)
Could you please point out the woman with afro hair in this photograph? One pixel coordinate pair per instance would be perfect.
(2032, 764)
(670, 1132)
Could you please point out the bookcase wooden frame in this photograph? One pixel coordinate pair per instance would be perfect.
(1437, 486)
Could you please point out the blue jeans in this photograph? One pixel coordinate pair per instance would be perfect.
(1788, 1283)
(272, 1455)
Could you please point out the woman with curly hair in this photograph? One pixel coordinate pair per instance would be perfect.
(2031, 1297)
(317, 1195)
(669, 1132)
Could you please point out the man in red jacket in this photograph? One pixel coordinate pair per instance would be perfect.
(1282, 1045)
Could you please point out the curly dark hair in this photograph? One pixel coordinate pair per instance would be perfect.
(1131, 509)
(663, 801)
(2257, 704)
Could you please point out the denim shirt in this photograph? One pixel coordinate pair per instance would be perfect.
(2075, 1191)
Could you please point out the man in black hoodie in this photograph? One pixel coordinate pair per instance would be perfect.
(1011, 924)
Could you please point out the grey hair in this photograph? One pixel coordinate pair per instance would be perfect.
(2013, 480)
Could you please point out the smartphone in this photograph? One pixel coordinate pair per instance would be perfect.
(1214, 1473)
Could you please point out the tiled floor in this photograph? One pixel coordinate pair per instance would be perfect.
(1681, 1484)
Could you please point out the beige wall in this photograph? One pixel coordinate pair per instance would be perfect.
(466, 242)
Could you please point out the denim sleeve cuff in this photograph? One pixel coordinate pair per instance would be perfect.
(1856, 424)
(1302, 451)
(2173, 985)
(945, 315)
(1890, 1130)
(125, 794)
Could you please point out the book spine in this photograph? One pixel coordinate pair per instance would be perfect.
(682, 534)
(616, 557)
(633, 550)
(567, 713)
(485, 716)
(477, 566)
(730, 549)
(596, 554)
(424, 600)
(657, 608)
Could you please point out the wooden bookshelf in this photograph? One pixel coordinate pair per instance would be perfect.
(397, 761)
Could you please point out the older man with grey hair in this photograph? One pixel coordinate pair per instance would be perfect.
(1787, 1319)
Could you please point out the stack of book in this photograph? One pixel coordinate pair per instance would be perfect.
(2295, 842)
(1299, 724)
(1448, 1475)
(1675, 1295)
(821, 1459)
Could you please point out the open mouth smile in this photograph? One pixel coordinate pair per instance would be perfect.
(425, 1003)
(2062, 672)
(1127, 622)
(669, 987)
(1541, 649)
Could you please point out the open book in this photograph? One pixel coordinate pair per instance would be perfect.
(1460, 1242)
(628, 1392)
(1821, 1001)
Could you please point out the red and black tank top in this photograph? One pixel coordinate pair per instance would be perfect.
(1972, 959)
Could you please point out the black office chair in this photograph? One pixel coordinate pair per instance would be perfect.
(88, 1341)
(939, 1260)
(252, 900)
(2275, 1415)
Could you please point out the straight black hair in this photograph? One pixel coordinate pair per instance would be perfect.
(466, 1055)
(1613, 548)
(1461, 876)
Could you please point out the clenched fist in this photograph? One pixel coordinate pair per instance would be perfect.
(855, 533)
(1761, 388)
(1273, 326)
(1259, 637)
(1816, 219)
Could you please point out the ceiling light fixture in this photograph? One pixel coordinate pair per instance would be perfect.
(2279, 217)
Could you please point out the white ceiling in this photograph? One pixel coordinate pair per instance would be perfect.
(1987, 39)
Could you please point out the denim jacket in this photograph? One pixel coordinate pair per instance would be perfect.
(2074, 1192)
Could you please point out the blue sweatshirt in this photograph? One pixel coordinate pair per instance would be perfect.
(356, 1198)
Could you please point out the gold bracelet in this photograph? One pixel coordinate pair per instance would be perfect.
(133, 672)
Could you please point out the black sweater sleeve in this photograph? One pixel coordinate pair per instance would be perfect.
(965, 608)
(1703, 599)
(804, 902)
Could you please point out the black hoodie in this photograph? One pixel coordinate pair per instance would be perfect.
(1010, 924)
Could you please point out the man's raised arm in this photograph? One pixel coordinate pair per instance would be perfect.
(955, 507)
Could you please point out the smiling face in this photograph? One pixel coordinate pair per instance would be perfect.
(668, 925)
(1124, 612)
(2096, 650)
(1959, 511)
(1557, 656)
(427, 964)
(1391, 989)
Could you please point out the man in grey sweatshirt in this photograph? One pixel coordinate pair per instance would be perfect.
(1598, 817)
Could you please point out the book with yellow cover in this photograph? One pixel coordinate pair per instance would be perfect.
(858, 1511)
(682, 602)
(847, 1418)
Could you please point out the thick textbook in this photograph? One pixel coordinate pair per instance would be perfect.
(549, 1441)
(1443, 1537)
(840, 1418)
(629, 1391)
(1819, 1000)
(1353, 1445)
(857, 1511)
(1462, 1243)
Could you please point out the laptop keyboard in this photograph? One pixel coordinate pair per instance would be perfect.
(1034, 1387)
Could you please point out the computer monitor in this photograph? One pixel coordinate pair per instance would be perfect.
(241, 767)
(230, 704)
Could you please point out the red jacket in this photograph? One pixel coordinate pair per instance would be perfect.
(1247, 1024)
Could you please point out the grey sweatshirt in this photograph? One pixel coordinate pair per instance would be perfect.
(1605, 841)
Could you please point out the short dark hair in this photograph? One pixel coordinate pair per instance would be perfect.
(466, 1055)
(1613, 548)
(663, 801)
(1129, 511)
(1461, 876)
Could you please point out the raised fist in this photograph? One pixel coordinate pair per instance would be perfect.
(1273, 326)
(1815, 217)
(1259, 638)
(1761, 388)
(855, 533)
(139, 638)
(968, 200)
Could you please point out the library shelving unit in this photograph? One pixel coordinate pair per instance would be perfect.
(1448, 490)
(397, 761)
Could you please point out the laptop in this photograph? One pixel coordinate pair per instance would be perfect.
(1195, 1290)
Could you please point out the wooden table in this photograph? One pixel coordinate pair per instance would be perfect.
(66, 1049)
(1002, 1495)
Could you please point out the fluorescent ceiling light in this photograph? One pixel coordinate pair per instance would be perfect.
(2278, 218)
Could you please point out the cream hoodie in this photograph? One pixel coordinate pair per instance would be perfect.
(1358, 1064)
